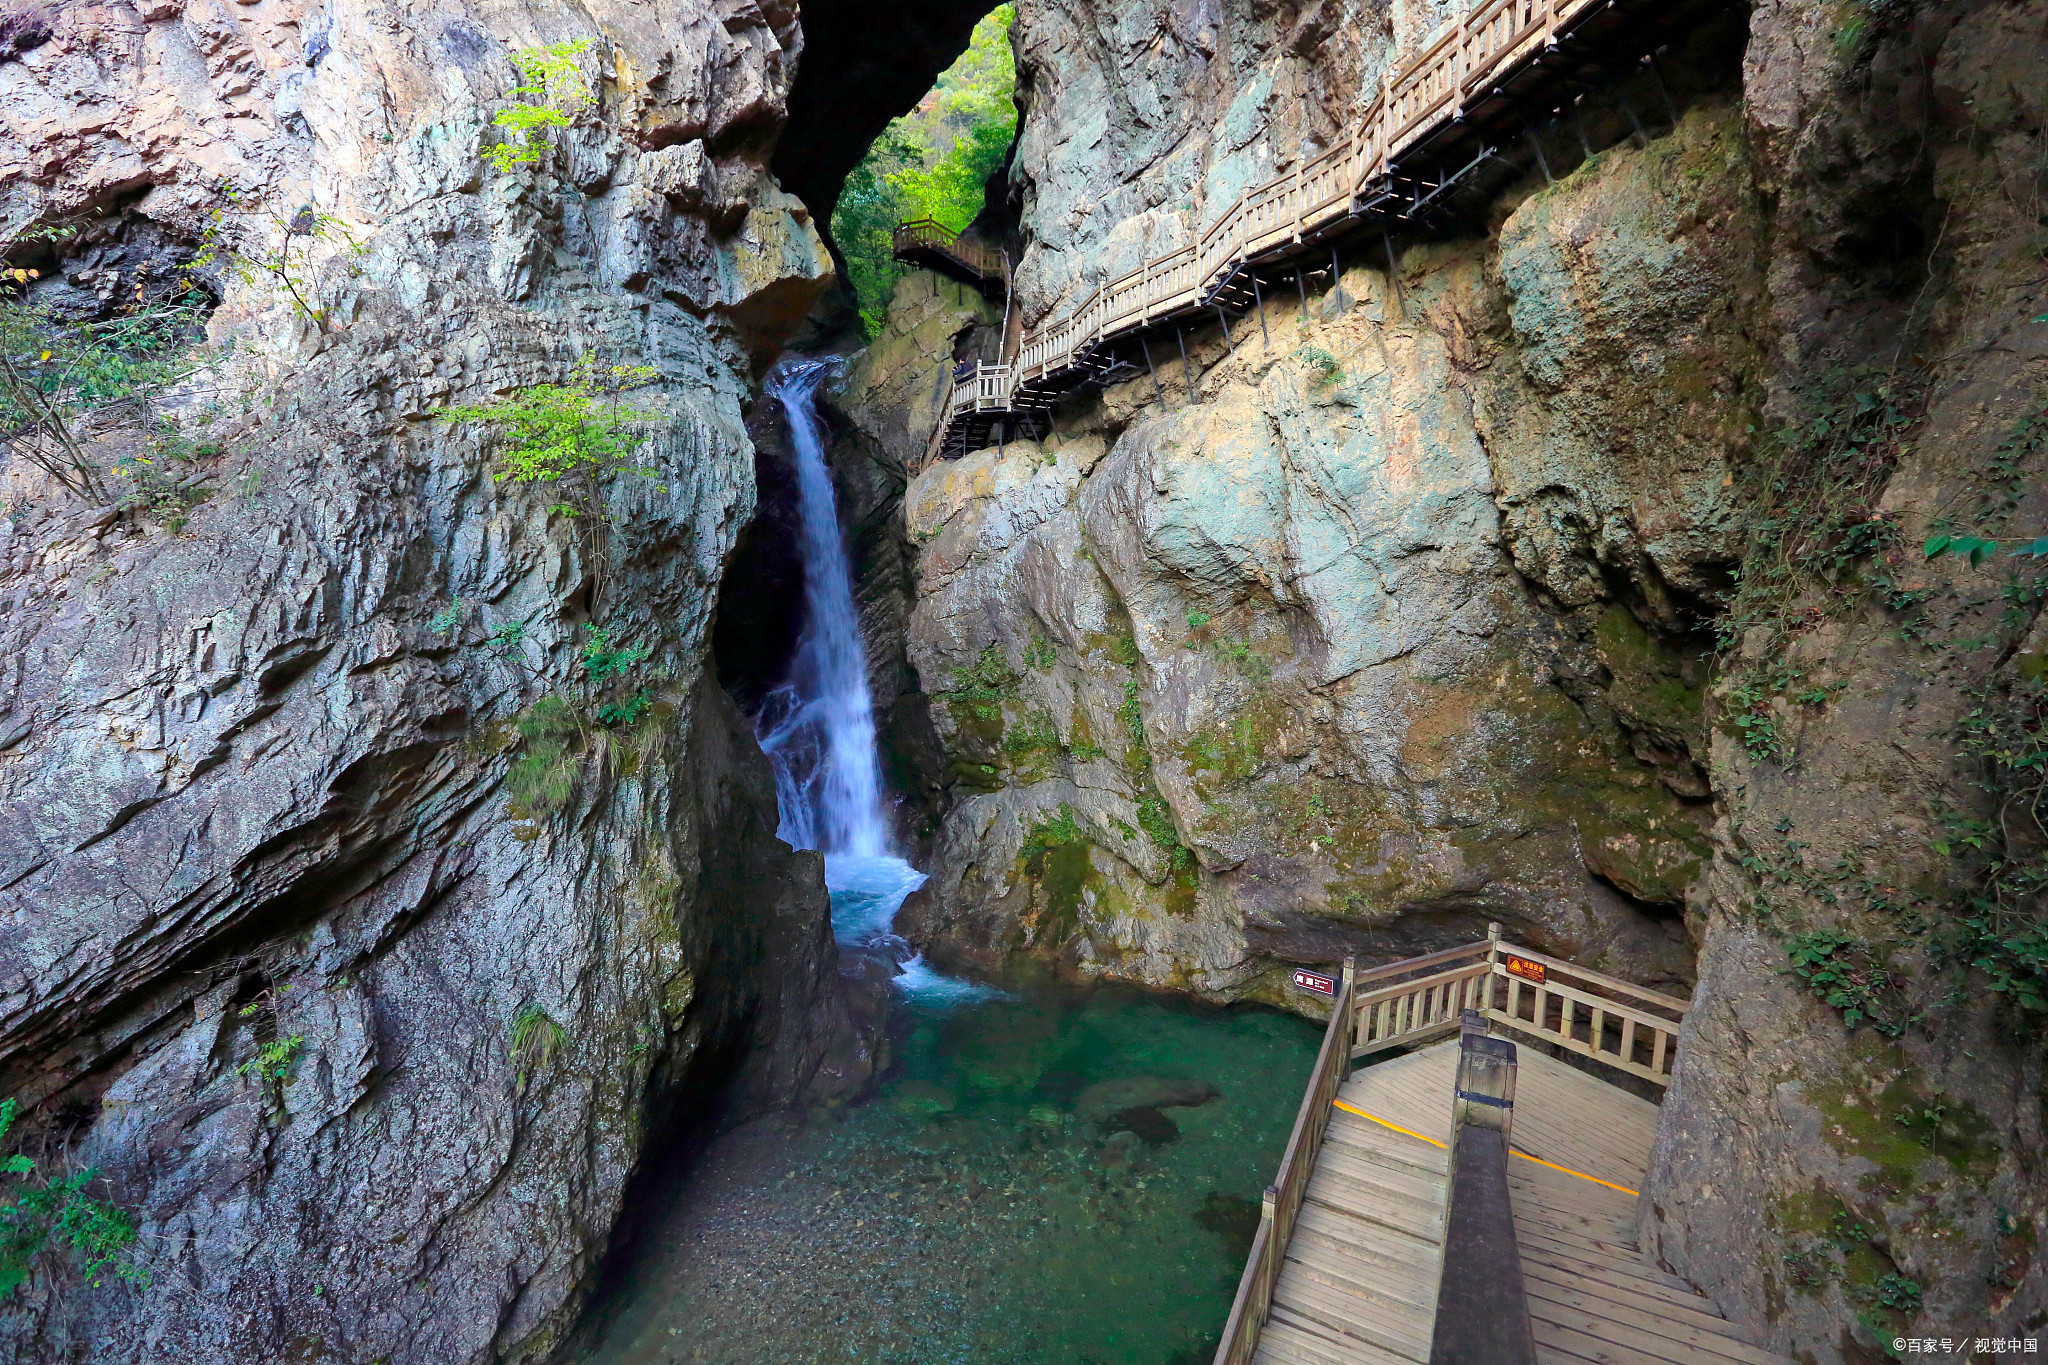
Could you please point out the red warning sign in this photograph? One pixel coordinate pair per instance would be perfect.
(1522, 967)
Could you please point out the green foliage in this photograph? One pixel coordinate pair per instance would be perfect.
(574, 434)
(1846, 975)
(2001, 856)
(1132, 719)
(1040, 654)
(1123, 648)
(614, 714)
(250, 239)
(931, 163)
(37, 1212)
(984, 686)
(544, 776)
(1057, 832)
(1031, 737)
(273, 1061)
(1249, 661)
(1896, 1291)
(1816, 543)
(1197, 619)
(535, 1039)
(603, 660)
(1157, 822)
(1323, 363)
(558, 732)
(552, 85)
(58, 376)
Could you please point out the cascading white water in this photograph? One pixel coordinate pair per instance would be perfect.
(818, 727)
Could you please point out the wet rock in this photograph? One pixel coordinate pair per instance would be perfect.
(1120, 1149)
(1106, 1098)
(257, 710)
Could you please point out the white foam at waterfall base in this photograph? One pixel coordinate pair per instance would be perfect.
(818, 728)
(866, 892)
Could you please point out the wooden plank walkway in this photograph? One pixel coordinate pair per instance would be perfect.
(1359, 1283)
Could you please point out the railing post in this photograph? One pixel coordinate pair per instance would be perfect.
(1492, 965)
(1482, 1307)
(1345, 993)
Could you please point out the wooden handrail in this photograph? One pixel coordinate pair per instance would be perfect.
(1405, 1012)
(1434, 86)
(1614, 983)
(1399, 1013)
(1284, 1196)
(1426, 960)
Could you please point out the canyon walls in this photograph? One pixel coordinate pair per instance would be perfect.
(361, 970)
(1569, 577)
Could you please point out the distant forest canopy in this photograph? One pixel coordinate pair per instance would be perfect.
(931, 163)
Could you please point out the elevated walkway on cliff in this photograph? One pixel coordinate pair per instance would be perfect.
(934, 246)
(1455, 122)
(1350, 1263)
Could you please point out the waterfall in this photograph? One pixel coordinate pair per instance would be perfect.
(818, 727)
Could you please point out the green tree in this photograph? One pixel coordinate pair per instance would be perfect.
(572, 435)
(552, 85)
(932, 163)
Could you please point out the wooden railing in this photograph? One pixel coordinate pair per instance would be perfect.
(1406, 1003)
(1283, 1197)
(928, 234)
(1468, 55)
(1628, 1027)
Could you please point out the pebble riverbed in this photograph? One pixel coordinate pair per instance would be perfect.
(1056, 1177)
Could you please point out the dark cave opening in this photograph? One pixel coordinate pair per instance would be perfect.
(863, 65)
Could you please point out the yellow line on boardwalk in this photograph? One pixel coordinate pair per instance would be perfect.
(1569, 1171)
(1384, 1124)
(1353, 1109)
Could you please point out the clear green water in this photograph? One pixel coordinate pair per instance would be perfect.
(992, 1203)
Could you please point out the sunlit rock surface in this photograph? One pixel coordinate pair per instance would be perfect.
(248, 793)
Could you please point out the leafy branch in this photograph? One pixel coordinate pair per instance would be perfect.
(552, 84)
(58, 378)
(251, 240)
(44, 1211)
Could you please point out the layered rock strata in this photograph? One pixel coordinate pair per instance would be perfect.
(368, 1050)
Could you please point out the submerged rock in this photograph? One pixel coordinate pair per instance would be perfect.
(1106, 1098)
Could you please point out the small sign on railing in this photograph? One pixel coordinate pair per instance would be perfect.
(1306, 980)
(1522, 967)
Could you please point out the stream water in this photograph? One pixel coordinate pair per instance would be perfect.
(1044, 1175)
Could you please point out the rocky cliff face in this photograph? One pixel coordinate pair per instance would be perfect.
(253, 757)
(1570, 579)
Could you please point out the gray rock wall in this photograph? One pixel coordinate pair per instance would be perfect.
(1399, 615)
(251, 794)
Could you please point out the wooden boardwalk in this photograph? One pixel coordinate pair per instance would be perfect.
(1443, 122)
(1358, 1286)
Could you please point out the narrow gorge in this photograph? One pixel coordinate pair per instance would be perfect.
(604, 760)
